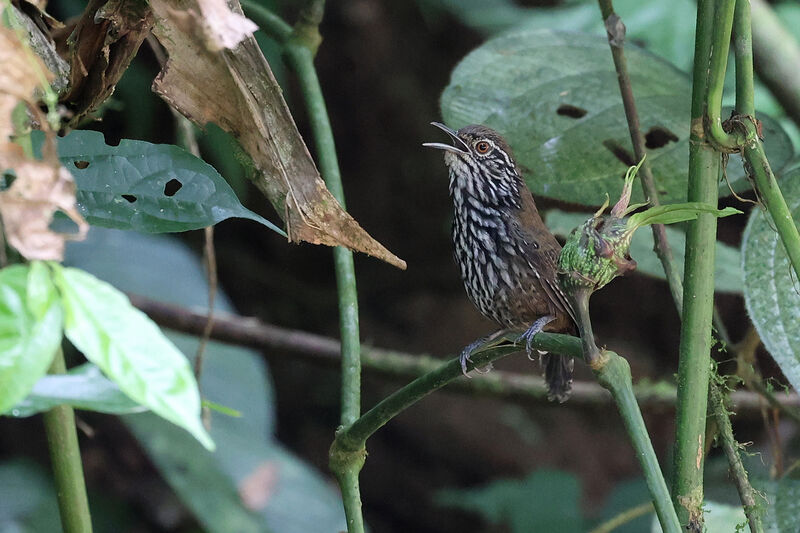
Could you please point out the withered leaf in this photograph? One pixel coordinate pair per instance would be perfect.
(101, 46)
(235, 89)
(40, 187)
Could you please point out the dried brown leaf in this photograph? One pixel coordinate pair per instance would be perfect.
(40, 187)
(28, 205)
(235, 89)
(101, 46)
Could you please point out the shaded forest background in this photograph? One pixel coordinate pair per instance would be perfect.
(383, 66)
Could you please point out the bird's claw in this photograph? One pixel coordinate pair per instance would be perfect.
(535, 328)
(466, 357)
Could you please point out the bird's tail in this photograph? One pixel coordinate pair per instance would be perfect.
(558, 376)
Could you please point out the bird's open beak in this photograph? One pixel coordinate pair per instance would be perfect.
(460, 146)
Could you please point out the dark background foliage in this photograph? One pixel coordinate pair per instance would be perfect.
(383, 66)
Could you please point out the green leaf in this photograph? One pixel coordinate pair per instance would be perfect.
(728, 273)
(300, 499)
(660, 27)
(624, 497)
(673, 213)
(771, 291)
(786, 508)
(130, 349)
(544, 501)
(189, 469)
(555, 98)
(24, 490)
(153, 188)
(30, 330)
(83, 387)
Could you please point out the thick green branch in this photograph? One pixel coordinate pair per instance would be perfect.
(614, 373)
(65, 455)
(698, 296)
(353, 438)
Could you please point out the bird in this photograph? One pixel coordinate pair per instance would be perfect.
(507, 257)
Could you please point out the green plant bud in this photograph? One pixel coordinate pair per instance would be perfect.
(598, 250)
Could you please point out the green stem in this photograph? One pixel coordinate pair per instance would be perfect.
(614, 373)
(752, 150)
(580, 298)
(267, 21)
(354, 437)
(729, 445)
(301, 60)
(299, 51)
(65, 455)
(698, 296)
(758, 168)
(718, 54)
(743, 48)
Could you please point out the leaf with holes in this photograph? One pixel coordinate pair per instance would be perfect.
(555, 98)
(727, 275)
(153, 188)
(30, 329)
(130, 349)
(771, 291)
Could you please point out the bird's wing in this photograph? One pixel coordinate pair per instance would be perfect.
(541, 250)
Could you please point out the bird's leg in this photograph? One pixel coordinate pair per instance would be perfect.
(467, 352)
(535, 328)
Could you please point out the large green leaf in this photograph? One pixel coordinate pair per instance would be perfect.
(295, 497)
(771, 291)
(153, 188)
(30, 329)
(546, 500)
(728, 274)
(189, 469)
(83, 387)
(658, 26)
(25, 492)
(555, 97)
(130, 349)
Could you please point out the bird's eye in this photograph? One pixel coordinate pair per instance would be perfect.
(482, 147)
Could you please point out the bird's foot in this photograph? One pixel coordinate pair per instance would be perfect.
(466, 353)
(535, 328)
(466, 356)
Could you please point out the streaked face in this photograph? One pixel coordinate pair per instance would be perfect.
(481, 165)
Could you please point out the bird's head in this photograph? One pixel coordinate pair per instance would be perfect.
(481, 164)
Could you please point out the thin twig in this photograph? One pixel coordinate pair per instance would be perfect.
(747, 370)
(623, 518)
(318, 349)
(616, 38)
(731, 448)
